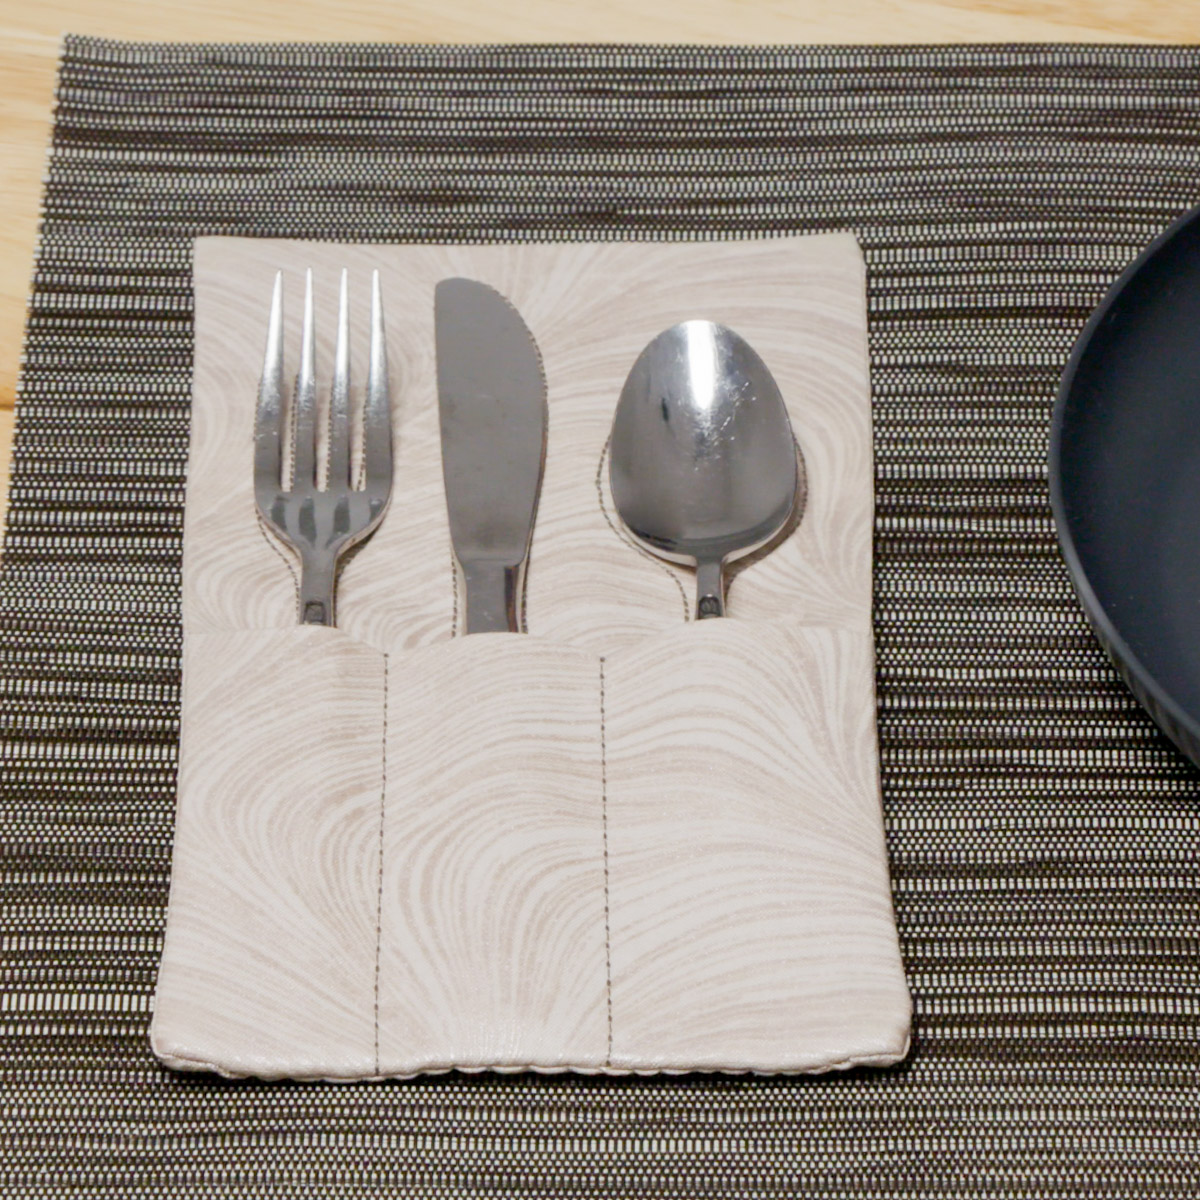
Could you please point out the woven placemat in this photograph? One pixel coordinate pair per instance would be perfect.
(1044, 837)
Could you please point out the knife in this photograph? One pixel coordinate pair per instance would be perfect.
(493, 417)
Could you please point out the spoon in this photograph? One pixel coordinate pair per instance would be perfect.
(702, 462)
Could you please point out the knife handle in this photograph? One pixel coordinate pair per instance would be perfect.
(493, 597)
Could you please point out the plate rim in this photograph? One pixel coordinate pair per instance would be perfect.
(1110, 638)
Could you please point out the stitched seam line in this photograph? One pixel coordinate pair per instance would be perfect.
(619, 530)
(271, 541)
(604, 828)
(379, 896)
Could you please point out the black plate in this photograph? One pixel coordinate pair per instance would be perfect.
(1125, 477)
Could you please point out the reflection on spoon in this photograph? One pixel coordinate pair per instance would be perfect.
(703, 465)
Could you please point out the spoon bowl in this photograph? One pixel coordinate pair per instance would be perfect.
(702, 463)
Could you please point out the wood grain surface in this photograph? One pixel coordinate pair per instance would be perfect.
(503, 853)
(492, 912)
(269, 968)
(31, 34)
(750, 920)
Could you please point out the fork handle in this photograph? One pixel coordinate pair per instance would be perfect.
(318, 574)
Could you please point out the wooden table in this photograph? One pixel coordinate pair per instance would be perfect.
(30, 33)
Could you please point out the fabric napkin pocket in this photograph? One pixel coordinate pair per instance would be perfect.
(498, 852)
(623, 841)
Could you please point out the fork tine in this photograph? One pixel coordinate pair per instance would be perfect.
(339, 404)
(268, 417)
(377, 411)
(321, 524)
(304, 416)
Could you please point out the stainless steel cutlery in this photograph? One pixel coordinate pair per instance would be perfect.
(321, 519)
(702, 462)
(493, 417)
(703, 465)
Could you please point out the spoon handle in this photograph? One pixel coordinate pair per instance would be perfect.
(710, 589)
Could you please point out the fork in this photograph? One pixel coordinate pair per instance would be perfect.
(320, 523)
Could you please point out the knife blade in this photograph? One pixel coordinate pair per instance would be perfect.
(493, 416)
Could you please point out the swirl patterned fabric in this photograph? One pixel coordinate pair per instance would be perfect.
(627, 842)
(1043, 836)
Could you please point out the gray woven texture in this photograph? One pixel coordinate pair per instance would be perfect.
(1043, 836)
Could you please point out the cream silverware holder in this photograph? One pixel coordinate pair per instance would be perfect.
(627, 841)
